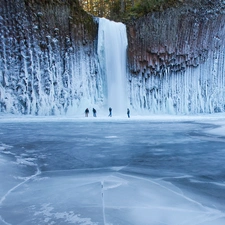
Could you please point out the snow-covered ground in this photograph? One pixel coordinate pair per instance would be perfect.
(146, 170)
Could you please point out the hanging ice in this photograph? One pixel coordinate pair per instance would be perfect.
(197, 89)
(46, 71)
(112, 46)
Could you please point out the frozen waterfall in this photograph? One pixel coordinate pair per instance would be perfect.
(112, 47)
(44, 71)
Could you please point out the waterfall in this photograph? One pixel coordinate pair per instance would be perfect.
(51, 67)
(112, 47)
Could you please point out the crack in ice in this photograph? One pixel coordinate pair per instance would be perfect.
(38, 172)
(103, 202)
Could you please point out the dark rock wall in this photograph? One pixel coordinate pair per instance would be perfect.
(170, 50)
(47, 57)
(49, 63)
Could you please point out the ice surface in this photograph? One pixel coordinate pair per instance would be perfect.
(219, 130)
(143, 170)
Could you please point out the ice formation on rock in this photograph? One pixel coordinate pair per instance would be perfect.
(55, 63)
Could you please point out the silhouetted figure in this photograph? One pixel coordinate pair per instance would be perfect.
(128, 113)
(86, 112)
(110, 111)
(94, 112)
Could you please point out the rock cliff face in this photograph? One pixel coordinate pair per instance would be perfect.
(47, 57)
(176, 59)
(49, 63)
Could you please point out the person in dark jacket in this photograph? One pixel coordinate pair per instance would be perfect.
(94, 112)
(110, 111)
(86, 112)
(128, 113)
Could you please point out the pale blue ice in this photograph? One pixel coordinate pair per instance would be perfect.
(111, 171)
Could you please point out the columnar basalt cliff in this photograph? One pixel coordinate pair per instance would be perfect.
(47, 57)
(49, 63)
(176, 59)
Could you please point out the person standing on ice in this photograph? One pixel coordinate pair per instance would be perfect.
(110, 111)
(128, 113)
(86, 112)
(94, 112)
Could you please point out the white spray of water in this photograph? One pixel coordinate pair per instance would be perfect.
(112, 47)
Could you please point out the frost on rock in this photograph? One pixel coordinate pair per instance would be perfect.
(196, 90)
(176, 62)
(45, 69)
(52, 64)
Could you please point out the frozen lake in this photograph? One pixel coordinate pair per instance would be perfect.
(112, 172)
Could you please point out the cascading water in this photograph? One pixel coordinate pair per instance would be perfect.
(112, 47)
